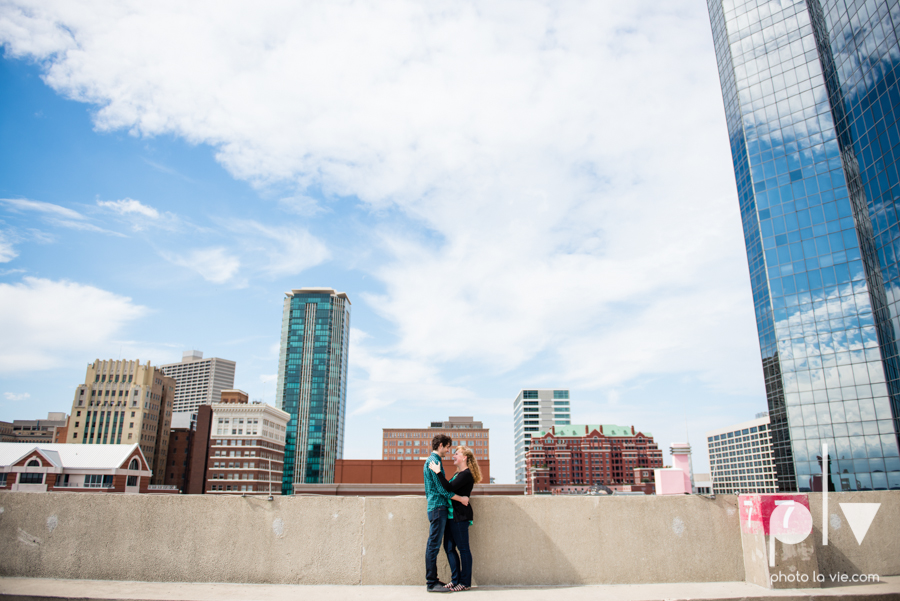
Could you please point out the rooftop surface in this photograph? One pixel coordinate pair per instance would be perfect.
(100, 456)
(44, 588)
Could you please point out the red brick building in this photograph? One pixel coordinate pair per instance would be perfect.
(189, 450)
(246, 455)
(116, 468)
(387, 471)
(573, 459)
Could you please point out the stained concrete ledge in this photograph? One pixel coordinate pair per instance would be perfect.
(380, 541)
(37, 589)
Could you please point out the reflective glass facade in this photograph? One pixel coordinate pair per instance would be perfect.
(812, 104)
(312, 383)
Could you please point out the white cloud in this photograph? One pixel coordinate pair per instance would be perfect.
(129, 205)
(281, 250)
(389, 379)
(48, 208)
(215, 264)
(300, 204)
(7, 251)
(141, 216)
(57, 215)
(48, 323)
(12, 396)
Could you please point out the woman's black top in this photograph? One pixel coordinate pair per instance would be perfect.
(461, 484)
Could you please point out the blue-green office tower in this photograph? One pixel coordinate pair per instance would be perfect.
(312, 383)
(812, 104)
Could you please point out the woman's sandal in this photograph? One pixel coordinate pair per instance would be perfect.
(460, 587)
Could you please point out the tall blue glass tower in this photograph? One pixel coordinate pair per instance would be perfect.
(812, 102)
(312, 383)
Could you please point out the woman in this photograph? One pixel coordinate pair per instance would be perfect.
(456, 536)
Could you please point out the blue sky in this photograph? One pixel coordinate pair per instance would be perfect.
(516, 195)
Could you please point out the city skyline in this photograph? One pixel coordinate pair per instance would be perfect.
(502, 214)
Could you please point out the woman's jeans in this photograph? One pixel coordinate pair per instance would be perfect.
(456, 539)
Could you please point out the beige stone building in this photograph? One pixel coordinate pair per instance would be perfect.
(125, 402)
(246, 449)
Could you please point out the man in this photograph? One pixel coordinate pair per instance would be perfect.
(438, 506)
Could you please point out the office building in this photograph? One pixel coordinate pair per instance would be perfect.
(741, 458)
(38, 431)
(812, 100)
(188, 455)
(312, 382)
(415, 443)
(47, 467)
(536, 411)
(575, 458)
(246, 452)
(6, 432)
(199, 381)
(125, 402)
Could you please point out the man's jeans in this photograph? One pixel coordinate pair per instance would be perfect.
(457, 539)
(438, 519)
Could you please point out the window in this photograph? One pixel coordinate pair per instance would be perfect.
(31, 478)
(560, 394)
(97, 481)
(132, 481)
(529, 394)
(33, 463)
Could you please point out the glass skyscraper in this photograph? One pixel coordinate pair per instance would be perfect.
(812, 102)
(312, 383)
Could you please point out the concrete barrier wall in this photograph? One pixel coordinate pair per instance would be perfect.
(381, 540)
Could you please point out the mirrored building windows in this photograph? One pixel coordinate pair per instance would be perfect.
(312, 383)
(812, 104)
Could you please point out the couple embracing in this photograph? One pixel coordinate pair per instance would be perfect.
(450, 514)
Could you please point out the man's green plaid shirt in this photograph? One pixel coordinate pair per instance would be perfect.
(434, 492)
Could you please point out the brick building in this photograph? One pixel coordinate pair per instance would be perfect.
(383, 471)
(415, 443)
(246, 453)
(117, 468)
(188, 455)
(573, 459)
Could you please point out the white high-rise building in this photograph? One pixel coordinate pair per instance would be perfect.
(536, 411)
(199, 381)
(740, 458)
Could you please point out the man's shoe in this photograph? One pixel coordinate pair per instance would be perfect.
(438, 588)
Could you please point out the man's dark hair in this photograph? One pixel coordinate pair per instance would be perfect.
(440, 440)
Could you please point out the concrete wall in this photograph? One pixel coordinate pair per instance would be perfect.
(359, 540)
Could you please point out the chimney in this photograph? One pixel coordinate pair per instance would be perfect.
(632, 430)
